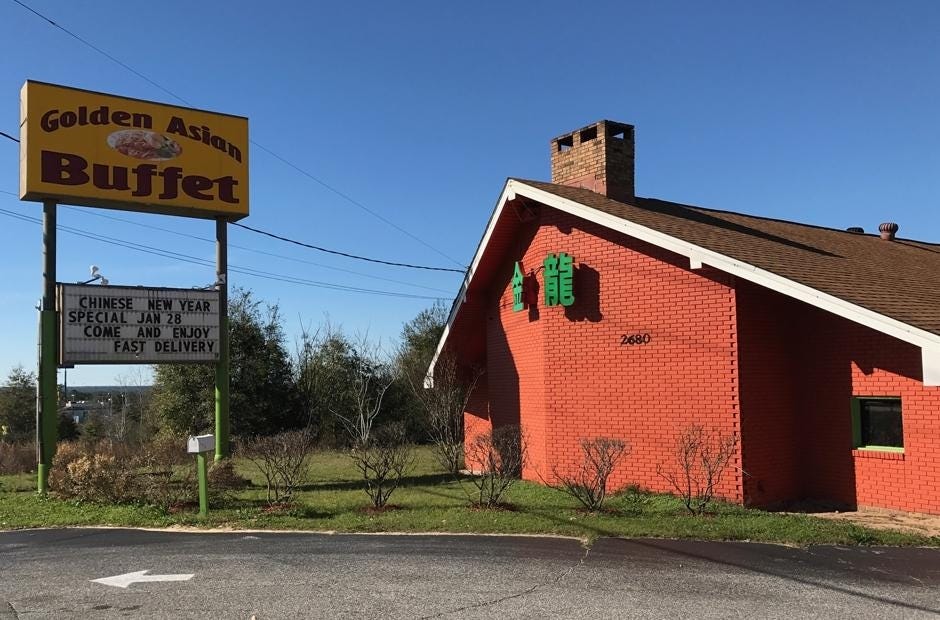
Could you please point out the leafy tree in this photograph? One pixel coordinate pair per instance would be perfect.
(184, 397)
(324, 366)
(263, 400)
(68, 430)
(94, 427)
(18, 405)
(419, 338)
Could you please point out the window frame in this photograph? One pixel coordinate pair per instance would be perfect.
(857, 425)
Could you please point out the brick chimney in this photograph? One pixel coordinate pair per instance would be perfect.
(598, 157)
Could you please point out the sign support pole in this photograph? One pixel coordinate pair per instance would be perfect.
(222, 367)
(203, 483)
(48, 403)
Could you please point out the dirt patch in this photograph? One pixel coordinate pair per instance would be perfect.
(883, 519)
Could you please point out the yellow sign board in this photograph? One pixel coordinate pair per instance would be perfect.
(86, 148)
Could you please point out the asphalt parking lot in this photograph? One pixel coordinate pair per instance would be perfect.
(52, 573)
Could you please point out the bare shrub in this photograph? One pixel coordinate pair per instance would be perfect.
(496, 459)
(701, 458)
(165, 473)
(283, 460)
(158, 473)
(17, 457)
(588, 484)
(444, 401)
(101, 478)
(383, 462)
(66, 452)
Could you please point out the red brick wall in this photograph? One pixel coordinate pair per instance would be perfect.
(770, 415)
(800, 367)
(843, 359)
(564, 374)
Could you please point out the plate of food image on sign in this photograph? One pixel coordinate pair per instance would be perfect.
(146, 145)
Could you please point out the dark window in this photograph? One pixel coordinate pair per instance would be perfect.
(877, 423)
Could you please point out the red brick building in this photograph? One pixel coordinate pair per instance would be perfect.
(818, 348)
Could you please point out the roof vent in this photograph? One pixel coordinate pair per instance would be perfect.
(858, 230)
(888, 230)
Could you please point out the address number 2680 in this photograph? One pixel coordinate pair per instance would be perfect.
(633, 339)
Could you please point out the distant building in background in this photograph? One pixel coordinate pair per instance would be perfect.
(81, 410)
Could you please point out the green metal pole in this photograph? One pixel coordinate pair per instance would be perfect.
(47, 417)
(222, 367)
(203, 483)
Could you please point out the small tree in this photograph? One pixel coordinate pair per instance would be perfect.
(701, 459)
(588, 484)
(496, 459)
(444, 401)
(383, 462)
(361, 401)
(282, 459)
(18, 406)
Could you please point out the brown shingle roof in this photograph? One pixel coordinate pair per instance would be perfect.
(899, 279)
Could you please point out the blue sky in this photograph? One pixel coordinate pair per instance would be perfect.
(819, 112)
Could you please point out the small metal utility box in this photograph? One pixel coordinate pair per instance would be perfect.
(202, 443)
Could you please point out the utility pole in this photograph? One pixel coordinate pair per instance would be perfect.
(47, 414)
(222, 366)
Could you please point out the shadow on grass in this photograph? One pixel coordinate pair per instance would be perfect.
(356, 485)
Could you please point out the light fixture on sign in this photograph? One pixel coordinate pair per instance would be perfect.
(96, 276)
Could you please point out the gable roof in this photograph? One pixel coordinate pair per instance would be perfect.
(899, 279)
(890, 286)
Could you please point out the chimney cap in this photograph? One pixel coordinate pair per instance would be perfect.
(611, 126)
(888, 230)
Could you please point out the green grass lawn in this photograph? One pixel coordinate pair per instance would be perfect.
(430, 501)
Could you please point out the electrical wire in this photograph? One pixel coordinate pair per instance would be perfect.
(346, 254)
(280, 158)
(281, 256)
(6, 135)
(101, 51)
(253, 250)
(207, 263)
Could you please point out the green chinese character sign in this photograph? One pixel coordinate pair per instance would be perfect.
(559, 279)
(517, 287)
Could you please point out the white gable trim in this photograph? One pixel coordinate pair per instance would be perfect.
(697, 255)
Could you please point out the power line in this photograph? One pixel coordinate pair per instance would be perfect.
(101, 51)
(346, 254)
(357, 203)
(293, 241)
(260, 146)
(207, 263)
(254, 250)
(6, 135)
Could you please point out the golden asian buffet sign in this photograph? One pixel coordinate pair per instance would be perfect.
(86, 148)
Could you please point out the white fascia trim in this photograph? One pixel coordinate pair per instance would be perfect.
(697, 255)
(930, 358)
(508, 194)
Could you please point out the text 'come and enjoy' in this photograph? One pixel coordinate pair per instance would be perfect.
(87, 148)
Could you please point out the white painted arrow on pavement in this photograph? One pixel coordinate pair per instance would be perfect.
(123, 581)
